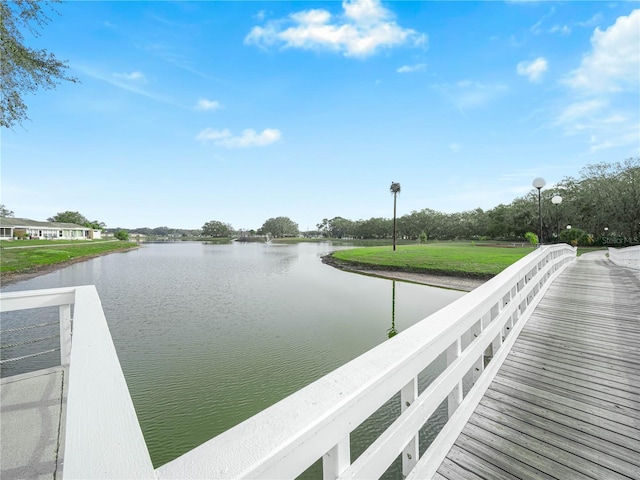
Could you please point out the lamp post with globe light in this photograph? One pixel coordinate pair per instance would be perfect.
(539, 183)
(557, 200)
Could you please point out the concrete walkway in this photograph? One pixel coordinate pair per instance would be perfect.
(33, 409)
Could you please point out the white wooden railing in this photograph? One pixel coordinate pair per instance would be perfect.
(102, 435)
(626, 257)
(316, 422)
(62, 298)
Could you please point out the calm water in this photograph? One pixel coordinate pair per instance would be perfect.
(209, 335)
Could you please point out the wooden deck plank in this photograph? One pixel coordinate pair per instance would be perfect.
(454, 471)
(581, 446)
(578, 371)
(594, 410)
(526, 462)
(561, 356)
(566, 401)
(481, 458)
(577, 380)
(536, 413)
(584, 394)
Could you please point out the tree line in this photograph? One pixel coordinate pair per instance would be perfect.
(602, 206)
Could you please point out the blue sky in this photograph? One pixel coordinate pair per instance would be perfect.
(241, 111)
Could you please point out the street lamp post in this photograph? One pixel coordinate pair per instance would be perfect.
(557, 200)
(539, 183)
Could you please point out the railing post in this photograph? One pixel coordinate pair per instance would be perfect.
(408, 395)
(455, 397)
(336, 460)
(478, 367)
(65, 334)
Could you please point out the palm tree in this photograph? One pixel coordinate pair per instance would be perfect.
(395, 189)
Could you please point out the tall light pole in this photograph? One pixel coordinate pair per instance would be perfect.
(395, 189)
(557, 200)
(539, 183)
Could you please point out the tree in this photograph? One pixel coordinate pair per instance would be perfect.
(23, 69)
(5, 212)
(217, 229)
(121, 235)
(78, 219)
(395, 189)
(280, 227)
(69, 217)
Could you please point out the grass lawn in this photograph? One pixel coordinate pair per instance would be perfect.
(443, 258)
(50, 252)
(37, 243)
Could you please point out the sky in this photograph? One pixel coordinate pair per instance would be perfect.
(241, 111)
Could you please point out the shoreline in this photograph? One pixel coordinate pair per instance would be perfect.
(8, 278)
(451, 282)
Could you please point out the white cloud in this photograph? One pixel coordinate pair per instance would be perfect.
(248, 138)
(364, 28)
(412, 68)
(204, 104)
(136, 76)
(124, 84)
(603, 90)
(533, 70)
(580, 110)
(614, 61)
(592, 22)
(563, 30)
(468, 94)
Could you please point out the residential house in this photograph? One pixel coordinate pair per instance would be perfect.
(12, 228)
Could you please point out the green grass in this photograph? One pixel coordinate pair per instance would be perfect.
(23, 260)
(439, 258)
(36, 243)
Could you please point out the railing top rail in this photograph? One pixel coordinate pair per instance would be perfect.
(52, 297)
(287, 435)
(103, 438)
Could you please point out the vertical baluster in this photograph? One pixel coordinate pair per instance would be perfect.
(455, 397)
(478, 366)
(408, 395)
(336, 460)
(65, 334)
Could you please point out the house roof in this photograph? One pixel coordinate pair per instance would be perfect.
(25, 222)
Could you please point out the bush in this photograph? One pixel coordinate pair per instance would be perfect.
(121, 235)
(532, 238)
(576, 236)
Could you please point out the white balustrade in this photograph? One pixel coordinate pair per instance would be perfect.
(103, 438)
(626, 257)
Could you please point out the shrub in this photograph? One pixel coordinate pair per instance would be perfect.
(532, 238)
(121, 235)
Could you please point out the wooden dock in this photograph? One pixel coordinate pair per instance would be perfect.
(566, 402)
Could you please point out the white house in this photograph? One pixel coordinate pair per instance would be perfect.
(11, 228)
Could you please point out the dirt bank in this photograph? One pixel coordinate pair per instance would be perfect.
(7, 278)
(465, 284)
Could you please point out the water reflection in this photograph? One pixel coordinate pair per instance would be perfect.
(392, 332)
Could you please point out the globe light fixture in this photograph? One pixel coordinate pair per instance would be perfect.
(538, 183)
